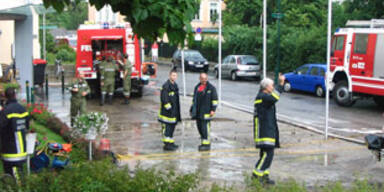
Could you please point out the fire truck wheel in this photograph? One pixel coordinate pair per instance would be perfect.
(342, 95)
(287, 86)
(319, 91)
(379, 100)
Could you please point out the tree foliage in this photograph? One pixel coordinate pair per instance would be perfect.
(149, 18)
(70, 18)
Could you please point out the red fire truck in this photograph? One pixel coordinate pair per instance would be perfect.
(97, 40)
(357, 65)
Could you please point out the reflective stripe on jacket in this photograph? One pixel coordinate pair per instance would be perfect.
(266, 131)
(170, 104)
(204, 102)
(14, 122)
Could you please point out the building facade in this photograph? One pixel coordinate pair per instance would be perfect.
(206, 19)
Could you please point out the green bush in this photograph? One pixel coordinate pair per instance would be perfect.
(103, 176)
(66, 54)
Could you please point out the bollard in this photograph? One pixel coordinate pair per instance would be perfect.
(33, 95)
(46, 85)
(27, 91)
(62, 82)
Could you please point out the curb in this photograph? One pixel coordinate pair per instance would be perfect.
(299, 125)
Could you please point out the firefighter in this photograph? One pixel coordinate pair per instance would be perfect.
(107, 79)
(127, 68)
(14, 123)
(169, 114)
(79, 90)
(203, 109)
(266, 132)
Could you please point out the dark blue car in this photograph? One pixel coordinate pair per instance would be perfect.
(308, 78)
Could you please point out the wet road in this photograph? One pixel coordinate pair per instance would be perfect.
(135, 136)
(364, 117)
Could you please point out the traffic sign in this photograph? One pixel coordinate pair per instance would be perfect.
(199, 30)
(48, 27)
(277, 15)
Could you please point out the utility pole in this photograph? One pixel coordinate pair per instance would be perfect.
(278, 16)
(264, 38)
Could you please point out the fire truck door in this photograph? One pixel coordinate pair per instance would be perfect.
(363, 48)
(378, 71)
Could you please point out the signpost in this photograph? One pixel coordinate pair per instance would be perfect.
(278, 16)
(264, 38)
(219, 50)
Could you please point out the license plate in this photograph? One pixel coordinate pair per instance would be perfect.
(251, 73)
(199, 65)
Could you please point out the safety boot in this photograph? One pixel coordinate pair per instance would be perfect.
(110, 99)
(204, 147)
(126, 101)
(267, 180)
(170, 147)
(102, 100)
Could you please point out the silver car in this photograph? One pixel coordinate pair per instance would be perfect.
(238, 66)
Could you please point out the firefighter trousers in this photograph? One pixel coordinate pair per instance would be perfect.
(167, 131)
(265, 162)
(14, 169)
(204, 128)
(108, 87)
(78, 107)
(127, 86)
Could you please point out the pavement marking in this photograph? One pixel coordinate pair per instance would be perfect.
(251, 153)
(234, 151)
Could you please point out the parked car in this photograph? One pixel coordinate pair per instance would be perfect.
(193, 60)
(308, 78)
(238, 66)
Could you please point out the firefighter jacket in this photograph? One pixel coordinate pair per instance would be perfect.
(108, 71)
(204, 102)
(170, 104)
(266, 131)
(14, 122)
(82, 86)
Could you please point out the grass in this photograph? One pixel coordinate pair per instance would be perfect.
(43, 133)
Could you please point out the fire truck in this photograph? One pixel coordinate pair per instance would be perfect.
(357, 64)
(95, 41)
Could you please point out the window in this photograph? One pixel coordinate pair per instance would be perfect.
(360, 46)
(340, 43)
(213, 12)
(322, 72)
(197, 15)
(233, 60)
(302, 70)
(314, 71)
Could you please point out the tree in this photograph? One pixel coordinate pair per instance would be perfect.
(149, 18)
(70, 18)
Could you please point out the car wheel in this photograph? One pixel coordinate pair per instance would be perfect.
(233, 76)
(287, 86)
(342, 95)
(217, 73)
(319, 91)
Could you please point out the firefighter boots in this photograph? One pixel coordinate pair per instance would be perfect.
(102, 100)
(110, 99)
(170, 147)
(204, 147)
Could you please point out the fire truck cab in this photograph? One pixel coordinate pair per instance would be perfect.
(97, 41)
(357, 65)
